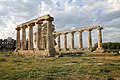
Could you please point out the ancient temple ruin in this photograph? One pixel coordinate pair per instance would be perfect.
(49, 50)
(80, 43)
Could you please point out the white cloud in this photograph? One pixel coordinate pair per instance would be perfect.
(67, 14)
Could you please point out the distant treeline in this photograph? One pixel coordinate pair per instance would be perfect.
(108, 45)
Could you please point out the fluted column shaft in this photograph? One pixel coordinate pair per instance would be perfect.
(65, 41)
(72, 41)
(24, 37)
(49, 34)
(99, 38)
(30, 39)
(80, 40)
(89, 40)
(39, 35)
(18, 39)
(59, 44)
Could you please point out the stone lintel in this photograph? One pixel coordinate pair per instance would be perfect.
(89, 30)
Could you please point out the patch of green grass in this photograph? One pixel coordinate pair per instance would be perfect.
(22, 67)
(116, 61)
(3, 60)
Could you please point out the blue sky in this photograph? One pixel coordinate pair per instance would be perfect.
(68, 14)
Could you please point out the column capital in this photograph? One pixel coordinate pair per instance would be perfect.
(65, 33)
(81, 31)
(99, 28)
(72, 32)
(58, 34)
(39, 22)
(31, 24)
(18, 28)
(89, 29)
(50, 19)
(24, 26)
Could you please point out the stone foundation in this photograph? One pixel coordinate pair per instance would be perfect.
(99, 50)
(36, 52)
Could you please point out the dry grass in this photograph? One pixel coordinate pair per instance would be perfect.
(20, 67)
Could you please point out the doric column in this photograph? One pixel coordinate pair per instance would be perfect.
(24, 37)
(89, 39)
(65, 40)
(18, 38)
(80, 40)
(72, 40)
(99, 37)
(30, 39)
(50, 48)
(39, 35)
(59, 44)
(49, 33)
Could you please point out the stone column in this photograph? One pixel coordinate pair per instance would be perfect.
(39, 35)
(80, 40)
(30, 39)
(59, 44)
(89, 40)
(99, 39)
(49, 33)
(50, 49)
(72, 40)
(24, 37)
(18, 38)
(65, 40)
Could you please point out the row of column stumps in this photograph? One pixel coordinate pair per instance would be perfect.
(30, 25)
(80, 44)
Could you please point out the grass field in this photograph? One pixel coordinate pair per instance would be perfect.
(21, 67)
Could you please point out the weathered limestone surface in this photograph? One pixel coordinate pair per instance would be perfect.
(30, 40)
(72, 40)
(18, 38)
(80, 40)
(80, 44)
(59, 44)
(99, 49)
(24, 37)
(49, 50)
(39, 35)
(65, 40)
(89, 40)
(49, 37)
